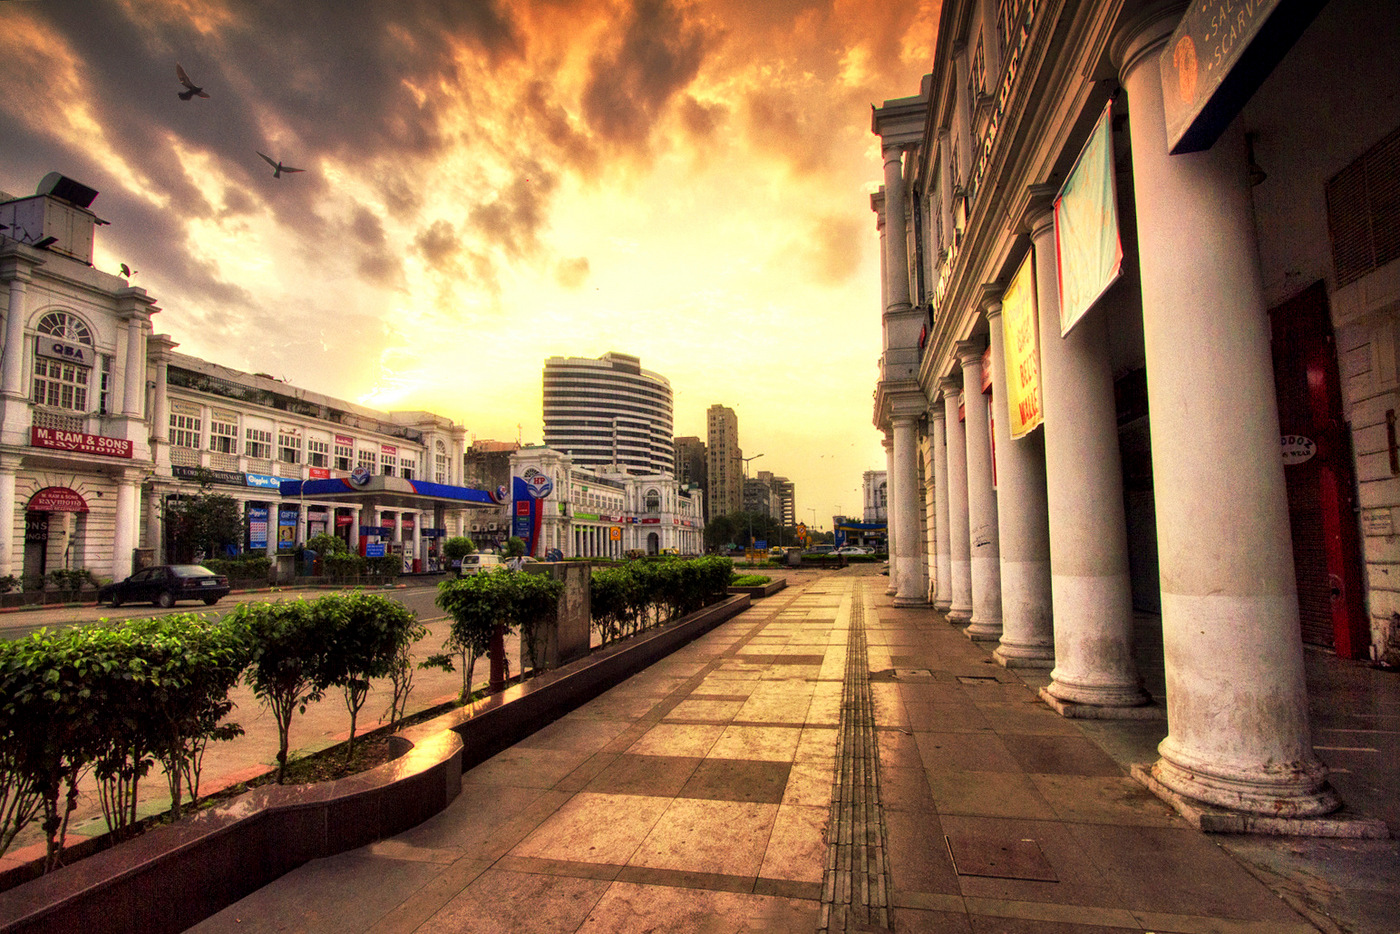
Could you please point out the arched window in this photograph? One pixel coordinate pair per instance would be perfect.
(63, 367)
(653, 501)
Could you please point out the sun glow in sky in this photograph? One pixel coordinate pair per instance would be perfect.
(489, 183)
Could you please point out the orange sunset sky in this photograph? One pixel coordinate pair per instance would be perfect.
(491, 183)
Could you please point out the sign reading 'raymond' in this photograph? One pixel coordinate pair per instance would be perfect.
(79, 442)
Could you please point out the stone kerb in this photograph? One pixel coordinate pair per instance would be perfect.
(173, 877)
(759, 591)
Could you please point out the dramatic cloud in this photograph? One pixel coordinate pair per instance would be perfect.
(684, 181)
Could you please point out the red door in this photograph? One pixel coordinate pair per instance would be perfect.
(1318, 470)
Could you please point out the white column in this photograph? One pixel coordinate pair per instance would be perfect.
(929, 558)
(1094, 674)
(938, 431)
(910, 591)
(124, 535)
(1027, 634)
(890, 497)
(160, 417)
(155, 525)
(8, 465)
(134, 378)
(896, 237)
(1237, 708)
(12, 356)
(418, 554)
(354, 530)
(985, 553)
(960, 569)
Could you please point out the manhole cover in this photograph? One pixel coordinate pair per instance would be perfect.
(913, 674)
(978, 679)
(999, 857)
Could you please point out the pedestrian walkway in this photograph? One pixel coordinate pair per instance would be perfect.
(765, 778)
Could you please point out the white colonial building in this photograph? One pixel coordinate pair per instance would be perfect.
(606, 511)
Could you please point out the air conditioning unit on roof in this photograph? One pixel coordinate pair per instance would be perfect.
(476, 526)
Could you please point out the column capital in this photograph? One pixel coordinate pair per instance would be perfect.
(1032, 208)
(989, 298)
(951, 386)
(969, 352)
(135, 305)
(1144, 32)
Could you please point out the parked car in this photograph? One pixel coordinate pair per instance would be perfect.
(166, 583)
(821, 550)
(853, 550)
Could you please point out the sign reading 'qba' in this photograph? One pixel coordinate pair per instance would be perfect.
(1021, 340)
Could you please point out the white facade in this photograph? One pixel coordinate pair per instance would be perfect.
(607, 513)
(876, 495)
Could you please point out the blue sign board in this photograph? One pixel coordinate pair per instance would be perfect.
(375, 550)
(264, 481)
(761, 543)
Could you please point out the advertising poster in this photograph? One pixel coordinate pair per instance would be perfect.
(1021, 341)
(257, 528)
(1088, 251)
(286, 529)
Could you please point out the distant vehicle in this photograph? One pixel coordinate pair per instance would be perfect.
(776, 551)
(821, 549)
(853, 550)
(166, 583)
(472, 564)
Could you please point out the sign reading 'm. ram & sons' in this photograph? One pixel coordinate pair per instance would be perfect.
(1219, 55)
(79, 442)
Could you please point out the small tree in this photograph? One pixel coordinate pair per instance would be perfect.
(458, 547)
(201, 524)
(473, 602)
(326, 544)
(364, 634)
(515, 547)
(286, 670)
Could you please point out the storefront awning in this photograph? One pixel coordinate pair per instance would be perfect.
(391, 492)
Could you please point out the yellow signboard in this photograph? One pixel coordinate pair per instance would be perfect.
(1021, 338)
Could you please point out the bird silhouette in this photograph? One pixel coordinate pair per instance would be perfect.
(127, 271)
(190, 89)
(278, 168)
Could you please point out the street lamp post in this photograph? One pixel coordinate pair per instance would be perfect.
(749, 512)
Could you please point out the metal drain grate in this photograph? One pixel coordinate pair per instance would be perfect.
(999, 857)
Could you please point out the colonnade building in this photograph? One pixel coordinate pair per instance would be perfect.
(1140, 308)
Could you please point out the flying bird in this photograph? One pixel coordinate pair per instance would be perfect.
(278, 168)
(127, 271)
(190, 89)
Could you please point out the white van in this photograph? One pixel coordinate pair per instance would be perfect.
(471, 564)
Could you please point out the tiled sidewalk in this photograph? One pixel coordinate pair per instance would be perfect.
(697, 797)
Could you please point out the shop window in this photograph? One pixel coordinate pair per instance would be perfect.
(318, 452)
(977, 74)
(407, 467)
(653, 501)
(390, 462)
(184, 428)
(61, 385)
(258, 443)
(288, 447)
(223, 433)
(344, 454)
(368, 460)
(440, 468)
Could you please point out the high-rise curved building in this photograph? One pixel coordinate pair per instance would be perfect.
(609, 411)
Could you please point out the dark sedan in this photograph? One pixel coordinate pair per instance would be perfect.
(166, 583)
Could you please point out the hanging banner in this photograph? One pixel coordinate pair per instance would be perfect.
(1021, 339)
(1088, 250)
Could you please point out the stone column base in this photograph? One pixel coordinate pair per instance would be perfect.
(1211, 818)
(982, 631)
(1076, 710)
(1024, 656)
(959, 616)
(942, 606)
(910, 601)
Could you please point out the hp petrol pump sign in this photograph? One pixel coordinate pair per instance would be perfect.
(538, 483)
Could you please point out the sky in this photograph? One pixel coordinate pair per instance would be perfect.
(489, 183)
